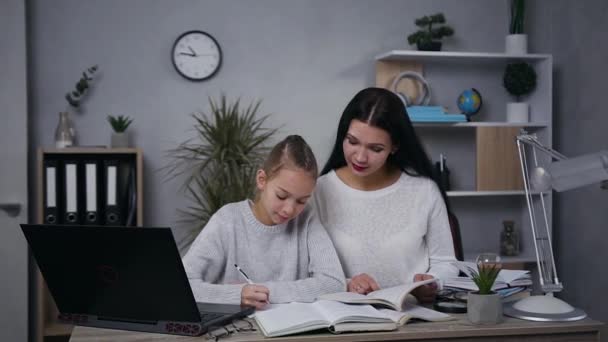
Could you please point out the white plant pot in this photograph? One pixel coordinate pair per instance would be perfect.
(119, 139)
(518, 112)
(484, 309)
(516, 44)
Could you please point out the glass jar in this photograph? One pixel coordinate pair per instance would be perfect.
(509, 239)
(64, 133)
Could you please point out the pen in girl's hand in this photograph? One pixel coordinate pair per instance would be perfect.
(249, 281)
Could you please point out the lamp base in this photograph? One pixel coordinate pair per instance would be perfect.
(544, 309)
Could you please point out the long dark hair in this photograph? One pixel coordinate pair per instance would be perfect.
(381, 108)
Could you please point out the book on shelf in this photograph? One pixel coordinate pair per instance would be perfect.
(337, 317)
(390, 297)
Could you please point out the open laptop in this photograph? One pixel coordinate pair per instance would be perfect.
(122, 278)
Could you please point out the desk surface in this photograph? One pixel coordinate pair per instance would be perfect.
(457, 330)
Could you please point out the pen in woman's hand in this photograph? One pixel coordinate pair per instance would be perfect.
(249, 281)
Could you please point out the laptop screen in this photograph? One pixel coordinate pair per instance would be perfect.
(113, 272)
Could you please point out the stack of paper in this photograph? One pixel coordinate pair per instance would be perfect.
(433, 114)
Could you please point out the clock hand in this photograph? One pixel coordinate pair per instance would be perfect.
(187, 54)
(193, 52)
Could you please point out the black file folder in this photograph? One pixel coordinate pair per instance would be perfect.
(91, 193)
(114, 201)
(51, 187)
(71, 198)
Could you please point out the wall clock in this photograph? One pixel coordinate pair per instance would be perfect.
(196, 55)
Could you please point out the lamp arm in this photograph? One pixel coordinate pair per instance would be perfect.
(542, 240)
(532, 140)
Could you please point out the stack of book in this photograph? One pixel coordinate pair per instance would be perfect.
(433, 114)
(510, 284)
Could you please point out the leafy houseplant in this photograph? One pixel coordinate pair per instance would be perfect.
(65, 134)
(75, 96)
(428, 38)
(516, 42)
(219, 164)
(519, 79)
(120, 123)
(516, 25)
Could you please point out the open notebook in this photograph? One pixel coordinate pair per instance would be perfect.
(391, 297)
(295, 318)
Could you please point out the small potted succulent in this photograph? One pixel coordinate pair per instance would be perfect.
(485, 306)
(428, 38)
(519, 79)
(120, 136)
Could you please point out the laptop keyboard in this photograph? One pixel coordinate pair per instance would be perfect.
(208, 316)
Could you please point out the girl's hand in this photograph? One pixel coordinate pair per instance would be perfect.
(255, 295)
(362, 283)
(425, 293)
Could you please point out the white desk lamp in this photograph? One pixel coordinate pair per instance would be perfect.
(563, 174)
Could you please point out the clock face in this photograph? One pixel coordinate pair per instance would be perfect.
(196, 55)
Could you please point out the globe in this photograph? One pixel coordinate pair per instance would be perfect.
(469, 102)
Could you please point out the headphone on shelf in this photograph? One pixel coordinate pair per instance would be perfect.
(423, 87)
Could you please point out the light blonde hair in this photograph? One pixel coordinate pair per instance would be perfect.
(292, 152)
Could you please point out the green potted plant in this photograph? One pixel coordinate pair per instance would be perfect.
(485, 306)
(119, 124)
(65, 134)
(516, 42)
(428, 38)
(519, 79)
(220, 162)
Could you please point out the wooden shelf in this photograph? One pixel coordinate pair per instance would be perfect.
(455, 56)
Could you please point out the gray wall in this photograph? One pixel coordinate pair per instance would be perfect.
(575, 32)
(305, 59)
(13, 171)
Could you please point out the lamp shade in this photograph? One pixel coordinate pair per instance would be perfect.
(571, 173)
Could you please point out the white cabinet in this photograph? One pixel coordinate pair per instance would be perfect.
(480, 213)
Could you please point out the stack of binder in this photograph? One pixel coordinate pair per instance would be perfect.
(433, 114)
(89, 190)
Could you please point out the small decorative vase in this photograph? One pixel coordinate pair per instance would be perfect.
(484, 309)
(64, 133)
(119, 139)
(516, 44)
(517, 112)
(509, 239)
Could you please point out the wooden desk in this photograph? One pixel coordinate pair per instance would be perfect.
(458, 330)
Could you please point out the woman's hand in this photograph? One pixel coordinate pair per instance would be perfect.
(362, 283)
(425, 293)
(255, 295)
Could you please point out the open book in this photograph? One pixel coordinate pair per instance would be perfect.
(391, 297)
(337, 317)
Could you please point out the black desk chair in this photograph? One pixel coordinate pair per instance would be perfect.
(456, 239)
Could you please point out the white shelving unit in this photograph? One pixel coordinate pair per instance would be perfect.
(480, 213)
